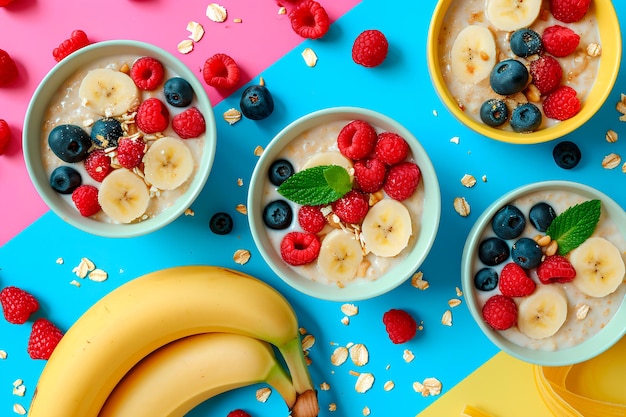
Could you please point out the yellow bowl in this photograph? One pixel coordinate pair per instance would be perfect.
(611, 43)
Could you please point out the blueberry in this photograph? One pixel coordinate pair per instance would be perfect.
(526, 42)
(541, 216)
(279, 171)
(178, 92)
(566, 154)
(69, 142)
(486, 279)
(278, 215)
(106, 132)
(221, 223)
(256, 102)
(526, 118)
(494, 112)
(508, 222)
(526, 253)
(65, 179)
(493, 251)
(508, 77)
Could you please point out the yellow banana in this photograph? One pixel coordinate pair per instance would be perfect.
(150, 311)
(175, 378)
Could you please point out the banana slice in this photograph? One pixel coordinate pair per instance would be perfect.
(168, 163)
(510, 15)
(599, 267)
(329, 158)
(542, 313)
(473, 54)
(108, 92)
(386, 228)
(340, 256)
(123, 196)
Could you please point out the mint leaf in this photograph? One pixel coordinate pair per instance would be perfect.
(316, 185)
(575, 225)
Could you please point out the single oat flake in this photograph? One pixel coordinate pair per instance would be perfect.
(263, 394)
(339, 356)
(216, 12)
(241, 256)
(19, 409)
(461, 206)
(446, 319)
(83, 268)
(98, 275)
(185, 46)
(364, 382)
(232, 116)
(310, 58)
(611, 161)
(359, 354)
(349, 309)
(196, 31)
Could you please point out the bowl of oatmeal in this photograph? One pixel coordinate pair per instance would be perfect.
(505, 73)
(543, 272)
(119, 138)
(344, 204)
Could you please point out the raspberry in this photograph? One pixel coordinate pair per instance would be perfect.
(8, 69)
(562, 103)
(370, 48)
(500, 312)
(98, 165)
(546, 73)
(400, 325)
(352, 207)
(311, 219)
(569, 11)
(391, 148)
(402, 180)
(130, 152)
(5, 136)
(5, 2)
(189, 124)
(147, 73)
(152, 116)
(356, 140)
(309, 20)
(238, 413)
(560, 41)
(78, 39)
(369, 174)
(555, 268)
(17, 304)
(299, 248)
(514, 282)
(85, 198)
(44, 337)
(221, 71)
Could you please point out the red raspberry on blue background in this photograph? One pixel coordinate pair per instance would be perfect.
(391, 148)
(369, 174)
(500, 312)
(17, 304)
(147, 73)
(370, 48)
(402, 180)
(152, 116)
(8, 69)
(514, 282)
(400, 325)
(78, 39)
(311, 219)
(44, 338)
(560, 41)
(569, 11)
(309, 20)
(238, 413)
(85, 198)
(562, 104)
(546, 73)
(189, 124)
(356, 140)
(298, 248)
(352, 207)
(221, 71)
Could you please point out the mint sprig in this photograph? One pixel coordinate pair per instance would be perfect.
(316, 185)
(575, 225)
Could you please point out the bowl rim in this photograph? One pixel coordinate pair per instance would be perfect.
(32, 149)
(604, 339)
(602, 87)
(370, 289)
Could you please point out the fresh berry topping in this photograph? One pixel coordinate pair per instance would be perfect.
(5, 136)
(400, 325)
(178, 92)
(493, 251)
(402, 180)
(562, 103)
(370, 48)
(85, 198)
(494, 112)
(238, 413)
(221, 71)
(526, 253)
(221, 223)
(189, 124)
(500, 312)
(5, 2)
(98, 165)
(105, 132)
(508, 77)
(525, 118)
(256, 102)
(566, 154)
(147, 73)
(541, 216)
(369, 174)
(279, 171)
(514, 282)
(352, 207)
(17, 304)
(560, 41)
(65, 179)
(277, 215)
(8, 69)
(311, 219)
(309, 20)
(44, 337)
(569, 11)
(555, 268)
(78, 39)
(299, 248)
(508, 222)
(525, 42)
(546, 73)
(69, 142)
(152, 116)
(130, 152)
(391, 148)
(356, 140)
(486, 279)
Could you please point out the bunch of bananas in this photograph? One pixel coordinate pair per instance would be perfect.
(169, 340)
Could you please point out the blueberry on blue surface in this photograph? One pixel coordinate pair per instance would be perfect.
(493, 112)
(221, 223)
(526, 253)
(508, 222)
(486, 279)
(526, 118)
(277, 215)
(256, 102)
(508, 77)
(70, 143)
(279, 171)
(566, 154)
(541, 216)
(106, 132)
(178, 92)
(493, 251)
(526, 42)
(65, 179)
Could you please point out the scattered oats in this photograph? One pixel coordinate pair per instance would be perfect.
(359, 354)
(389, 385)
(19, 390)
(458, 291)
(339, 356)
(345, 320)
(240, 182)
(611, 161)
(189, 212)
(454, 302)
(258, 151)
(349, 345)
(435, 113)
(418, 281)
(216, 13)
(387, 367)
(18, 382)
(232, 116)
(196, 31)
(611, 136)
(594, 50)
(324, 386)
(484, 178)
(185, 46)
(624, 168)
(19, 409)
(241, 208)
(364, 382)
(332, 407)
(468, 180)
(98, 275)
(83, 268)
(455, 140)
(282, 10)
(310, 58)
(433, 386)
(446, 319)
(263, 394)
(237, 20)
(302, 331)
(581, 311)
(241, 256)
(366, 411)
(308, 341)
(3, 354)
(420, 326)
(408, 356)
(461, 206)
(59, 261)
(75, 283)
(349, 309)
(418, 387)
